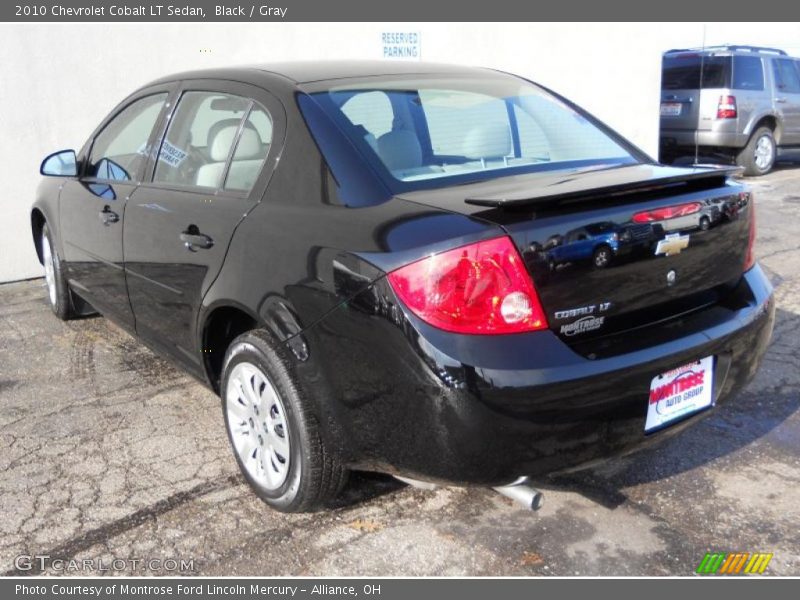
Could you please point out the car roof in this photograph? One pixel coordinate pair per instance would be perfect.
(300, 72)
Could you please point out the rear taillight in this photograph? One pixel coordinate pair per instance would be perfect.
(750, 258)
(726, 109)
(669, 212)
(482, 288)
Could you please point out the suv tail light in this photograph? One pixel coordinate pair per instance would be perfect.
(669, 212)
(750, 258)
(481, 288)
(726, 109)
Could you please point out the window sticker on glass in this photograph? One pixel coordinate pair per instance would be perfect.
(172, 155)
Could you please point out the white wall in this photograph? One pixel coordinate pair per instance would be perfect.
(58, 81)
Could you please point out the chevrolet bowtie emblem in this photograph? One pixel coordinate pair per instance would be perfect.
(672, 244)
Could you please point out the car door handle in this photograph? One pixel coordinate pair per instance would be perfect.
(780, 100)
(108, 216)
(192, 239)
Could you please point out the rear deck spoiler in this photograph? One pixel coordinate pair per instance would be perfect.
(604, 183)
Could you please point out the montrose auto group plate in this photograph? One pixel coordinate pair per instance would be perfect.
(679, 393)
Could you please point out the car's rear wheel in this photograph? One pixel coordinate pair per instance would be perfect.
(758, 156)
(58, 292)
(272, 428)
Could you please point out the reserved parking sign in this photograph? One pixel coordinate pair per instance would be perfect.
(401, 45)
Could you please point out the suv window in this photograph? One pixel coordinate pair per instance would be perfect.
(200, 138)
(120, 149)
(748, 73)
(787, 77)
(682, 72)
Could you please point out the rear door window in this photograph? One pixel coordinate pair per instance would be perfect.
(200, 139)
(748, 73)
(251, 151)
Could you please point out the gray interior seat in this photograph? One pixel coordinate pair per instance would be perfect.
(487, 141)
(250, 155)
(399, 150)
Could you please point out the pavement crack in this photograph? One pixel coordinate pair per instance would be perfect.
(101, 535)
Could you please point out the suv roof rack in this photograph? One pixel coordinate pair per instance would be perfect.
(731, 48)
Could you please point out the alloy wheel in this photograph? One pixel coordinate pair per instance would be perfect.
(764, 152)
(257, 425)
(49, 270)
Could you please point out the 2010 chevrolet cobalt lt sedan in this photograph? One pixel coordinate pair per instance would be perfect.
(443, 273)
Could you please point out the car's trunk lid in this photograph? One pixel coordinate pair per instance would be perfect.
(564, 222)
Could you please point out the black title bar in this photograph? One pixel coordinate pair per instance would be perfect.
(37, 11)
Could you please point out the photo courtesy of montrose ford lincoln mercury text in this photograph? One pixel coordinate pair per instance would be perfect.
(447, 274)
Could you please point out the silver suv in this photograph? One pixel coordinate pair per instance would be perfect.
(739, 103)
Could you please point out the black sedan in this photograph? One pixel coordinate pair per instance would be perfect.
(349, 254)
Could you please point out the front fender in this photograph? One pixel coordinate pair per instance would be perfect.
(45, 209)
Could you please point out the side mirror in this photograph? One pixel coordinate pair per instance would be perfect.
(60, 164)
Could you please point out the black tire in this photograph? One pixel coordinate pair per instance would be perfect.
(315, 474)
(705, 223)
(747, 157)
(60, 299)
(602, 257)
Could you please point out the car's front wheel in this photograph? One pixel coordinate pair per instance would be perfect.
(58, 292)
(272, 428)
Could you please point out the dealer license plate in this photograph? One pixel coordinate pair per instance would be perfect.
(680, 392)
(671, 109)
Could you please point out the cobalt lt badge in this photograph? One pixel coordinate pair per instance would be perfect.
(672, 277)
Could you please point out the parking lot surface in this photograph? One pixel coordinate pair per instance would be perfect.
(109, 452)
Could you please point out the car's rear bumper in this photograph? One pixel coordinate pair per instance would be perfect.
(407, 399)
(688, 138)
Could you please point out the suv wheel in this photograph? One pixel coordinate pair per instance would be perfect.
(57, 288)
(273, 431)
(758, 156)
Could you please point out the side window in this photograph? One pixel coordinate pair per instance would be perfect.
(120, 149)
(373, 111)
(748, 73)
(199, 139)
(251, 151)
(787, 78)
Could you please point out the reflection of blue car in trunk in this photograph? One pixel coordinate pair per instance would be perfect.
(599, 243)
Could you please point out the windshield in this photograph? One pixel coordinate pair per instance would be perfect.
(438, 131)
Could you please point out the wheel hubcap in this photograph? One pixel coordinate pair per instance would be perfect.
(257, 424)
(764, 152)
(49, 270)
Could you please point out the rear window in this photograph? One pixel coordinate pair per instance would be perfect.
(683, 72)
(420, 133)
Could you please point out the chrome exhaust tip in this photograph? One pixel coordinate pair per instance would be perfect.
(523, 494)
(417, 483)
